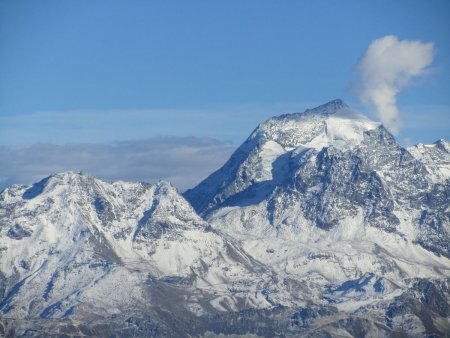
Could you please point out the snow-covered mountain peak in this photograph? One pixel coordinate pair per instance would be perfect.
(72, 239)
(264, 160)
(85, 184)
(435, 157)
(328, 108)
(165, 188)
(443, 144)
(54, 184)
(331, 124)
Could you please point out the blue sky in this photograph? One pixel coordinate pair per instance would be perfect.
(101, 72)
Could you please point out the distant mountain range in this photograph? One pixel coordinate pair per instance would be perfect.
(319, 225)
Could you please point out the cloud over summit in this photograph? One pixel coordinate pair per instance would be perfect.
(386, 67)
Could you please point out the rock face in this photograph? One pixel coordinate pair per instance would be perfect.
(320, 224)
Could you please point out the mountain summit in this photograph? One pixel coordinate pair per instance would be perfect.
(263, 156)
(333, 123)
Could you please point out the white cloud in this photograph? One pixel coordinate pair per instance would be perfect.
(184, 161)
(387, 66)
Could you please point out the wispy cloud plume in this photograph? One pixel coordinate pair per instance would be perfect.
(184, 161)
(387, 66)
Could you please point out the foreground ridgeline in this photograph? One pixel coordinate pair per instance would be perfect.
(320, 224)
